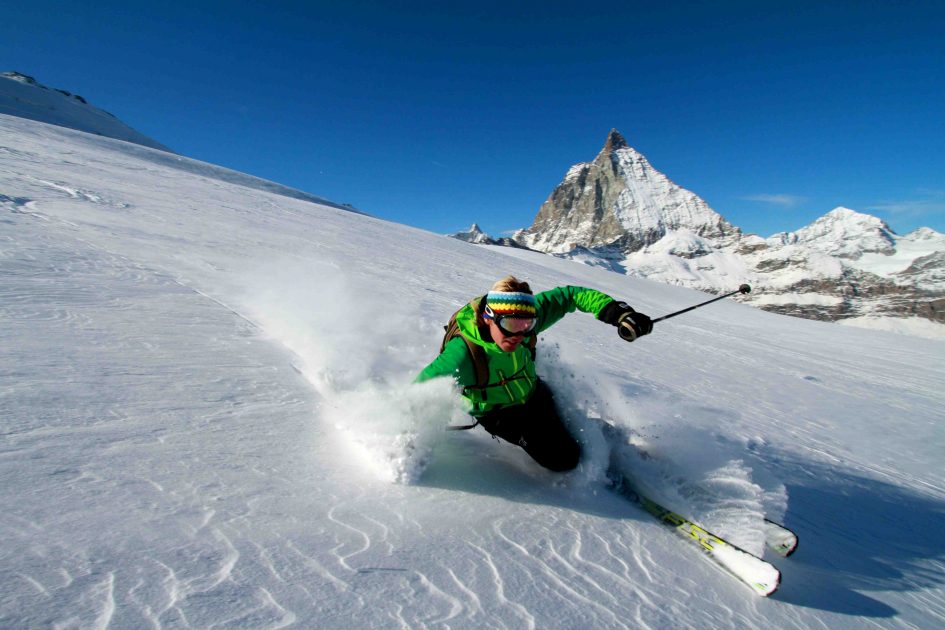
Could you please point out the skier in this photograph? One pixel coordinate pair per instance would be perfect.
(489, 348)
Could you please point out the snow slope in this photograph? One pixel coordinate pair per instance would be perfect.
(23, 96)
(206, 408)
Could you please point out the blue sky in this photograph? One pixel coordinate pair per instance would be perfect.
(437, 114)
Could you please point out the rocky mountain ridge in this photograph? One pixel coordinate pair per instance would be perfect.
(619, 212)
(619, 200)
(476, 236)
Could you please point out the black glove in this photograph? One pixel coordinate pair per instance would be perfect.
(629, 323)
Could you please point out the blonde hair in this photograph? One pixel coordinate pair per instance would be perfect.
(511, 284)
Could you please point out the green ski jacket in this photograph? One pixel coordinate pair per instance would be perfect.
(512, 375)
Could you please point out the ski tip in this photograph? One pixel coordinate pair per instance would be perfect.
(768, 587)
(780, 539)
(772, 588)
(782, 549)
(759, 575)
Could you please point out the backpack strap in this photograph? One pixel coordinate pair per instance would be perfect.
(476, 352)
(530, 343)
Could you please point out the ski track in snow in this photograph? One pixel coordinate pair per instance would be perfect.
(206, 396)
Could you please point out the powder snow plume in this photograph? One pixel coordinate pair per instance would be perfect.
(623, 428)
(360, 350)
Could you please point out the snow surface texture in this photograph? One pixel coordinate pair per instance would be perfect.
(206, 397)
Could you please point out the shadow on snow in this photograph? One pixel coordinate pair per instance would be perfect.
(856, 533)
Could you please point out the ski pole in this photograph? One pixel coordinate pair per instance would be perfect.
(742, 289)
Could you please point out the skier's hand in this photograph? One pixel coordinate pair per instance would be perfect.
(630, 324)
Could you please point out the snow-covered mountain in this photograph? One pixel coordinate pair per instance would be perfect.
(619, 201)
(476, 236)
(205, 393)
(844, 233)
(23, 96)
(620, 213)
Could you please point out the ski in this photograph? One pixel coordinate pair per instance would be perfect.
(761, 576)
(780, 539)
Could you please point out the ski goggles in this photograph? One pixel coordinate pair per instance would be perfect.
(511, 325)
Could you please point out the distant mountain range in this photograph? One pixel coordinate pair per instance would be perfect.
(475, 235)
(620, 213)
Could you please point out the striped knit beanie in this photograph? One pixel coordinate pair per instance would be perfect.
(512, 304)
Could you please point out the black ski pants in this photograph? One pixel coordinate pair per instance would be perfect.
(537, 427)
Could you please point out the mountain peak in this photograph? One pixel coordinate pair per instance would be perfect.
(474, 235)
(615, 141)
(925, 234)
(842, 212)
(852, 217)
(618, 201)
(845, 233)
